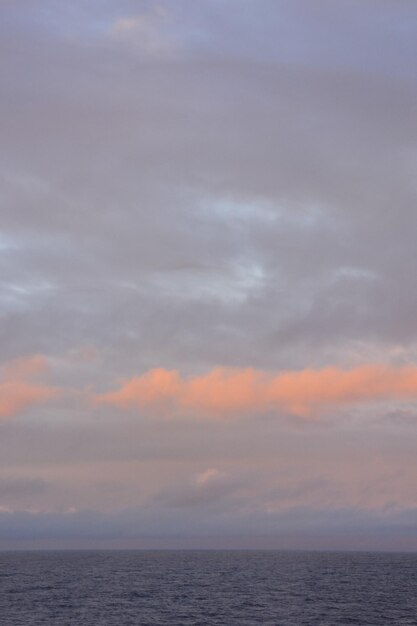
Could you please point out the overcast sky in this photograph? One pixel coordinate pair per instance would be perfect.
(208, 248)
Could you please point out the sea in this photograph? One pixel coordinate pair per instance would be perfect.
(120, 588)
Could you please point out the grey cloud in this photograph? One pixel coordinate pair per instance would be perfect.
(213, 489)
(300, 528)
(20, 487)
(246, 201)
(143, 248)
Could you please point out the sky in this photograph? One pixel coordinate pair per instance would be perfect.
(208, 316)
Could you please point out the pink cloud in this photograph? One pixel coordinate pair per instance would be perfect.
(17, 389)
(26, 367)
(223, 392)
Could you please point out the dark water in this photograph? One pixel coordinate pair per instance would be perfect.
(187, 587)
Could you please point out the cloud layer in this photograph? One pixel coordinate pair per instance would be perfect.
(224, 392)
(17, 390)
(207, 211)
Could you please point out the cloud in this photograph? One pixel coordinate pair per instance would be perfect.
(21, 487)
(26, 367)
(18, 392)
(148, 151)
(169, 527)
(15, 396)
(224, 183)
(208, 488)
(224, 392)
(147, 32)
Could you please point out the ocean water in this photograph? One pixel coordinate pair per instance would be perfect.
(207, 587)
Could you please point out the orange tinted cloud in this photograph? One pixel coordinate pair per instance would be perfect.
(18, 391)
(26, 367)
(224, 392)
(18, 395)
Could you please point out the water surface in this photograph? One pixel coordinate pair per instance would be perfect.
(115, 588)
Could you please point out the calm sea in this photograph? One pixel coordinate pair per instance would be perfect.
(198, 587)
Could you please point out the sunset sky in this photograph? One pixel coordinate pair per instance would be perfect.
(208, 249)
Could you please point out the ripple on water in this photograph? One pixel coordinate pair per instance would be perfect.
(208, 588)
